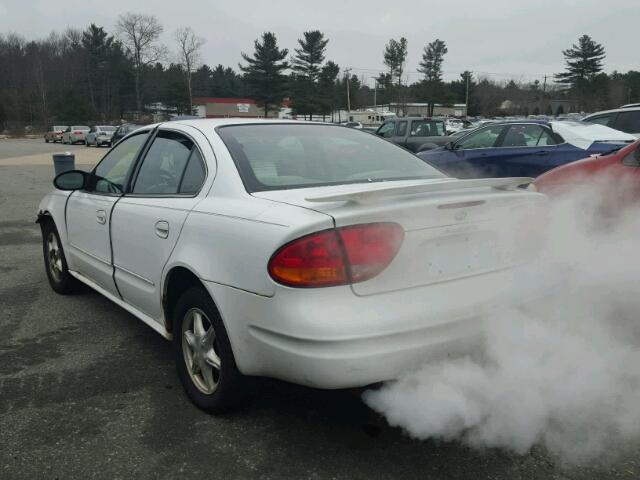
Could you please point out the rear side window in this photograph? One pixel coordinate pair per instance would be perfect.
(527, 136)
(163, 165)
(426, 128)
(628, 122)
(194, 174)
(402, 129)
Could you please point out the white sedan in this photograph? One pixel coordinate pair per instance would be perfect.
(313, 253)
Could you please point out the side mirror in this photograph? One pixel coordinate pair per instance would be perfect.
(70, 180)
(450, 146)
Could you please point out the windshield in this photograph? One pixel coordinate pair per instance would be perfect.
(282, 156)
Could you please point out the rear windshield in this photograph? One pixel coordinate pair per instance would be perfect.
(107, 128)
(282, 156)
(79, 127)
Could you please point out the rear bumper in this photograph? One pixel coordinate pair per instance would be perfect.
(331, 338)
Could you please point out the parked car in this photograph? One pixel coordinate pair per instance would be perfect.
(626, 119)
(312, 253)
(54, 133)
(614, 177)
(100, 135)
(414, 133)
(75, 134)
(522, 148)
(122, 131)
(353, 124)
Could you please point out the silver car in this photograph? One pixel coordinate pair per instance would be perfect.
(75, 134)
(99, 135)
(54, 133)
(312, 253)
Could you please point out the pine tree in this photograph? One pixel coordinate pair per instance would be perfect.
(264, 73)
(307, 66)
(432, 59)
(328, 88)
(584, 61)
(395, 56)
(431, 67)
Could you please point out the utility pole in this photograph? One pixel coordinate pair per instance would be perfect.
(375, 93)
(544, 92)
(347, 71)
(466, 101)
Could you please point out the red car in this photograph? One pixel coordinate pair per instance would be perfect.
(614, 176)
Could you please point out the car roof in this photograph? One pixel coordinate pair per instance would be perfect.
(613, 110)
(220, 122)
(532, 121)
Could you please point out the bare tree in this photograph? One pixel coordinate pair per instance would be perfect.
(139, 34)
(189, 45)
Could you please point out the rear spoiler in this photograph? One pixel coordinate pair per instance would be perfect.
(365, 193)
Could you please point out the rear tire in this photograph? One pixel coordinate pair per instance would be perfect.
(202, 352)
(55, 262)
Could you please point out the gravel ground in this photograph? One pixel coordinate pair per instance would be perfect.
(88, 391)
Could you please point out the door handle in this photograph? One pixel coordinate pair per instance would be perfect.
(162, 229)
(542, 153)
(101, 217)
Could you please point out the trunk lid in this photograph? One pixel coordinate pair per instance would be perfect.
(453, 228)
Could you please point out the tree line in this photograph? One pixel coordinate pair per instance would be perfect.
(93, 74)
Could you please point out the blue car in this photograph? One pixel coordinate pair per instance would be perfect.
(522, 148)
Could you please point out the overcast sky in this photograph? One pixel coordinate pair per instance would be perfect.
(521, 39)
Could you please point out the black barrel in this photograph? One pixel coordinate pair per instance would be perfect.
(63, 162)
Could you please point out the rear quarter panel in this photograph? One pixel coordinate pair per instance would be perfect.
(230, 241)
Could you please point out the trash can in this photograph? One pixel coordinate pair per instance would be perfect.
(63, 162)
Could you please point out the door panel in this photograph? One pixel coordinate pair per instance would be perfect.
(88, 214)
(144, 232)
(88, 236)
(147, 222)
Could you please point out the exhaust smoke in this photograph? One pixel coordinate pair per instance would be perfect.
(562, 373)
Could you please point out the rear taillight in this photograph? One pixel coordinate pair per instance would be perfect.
(338, 256)
(77, 133)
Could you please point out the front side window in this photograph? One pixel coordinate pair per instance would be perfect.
(402, 129)
(112, 172)
(164, 164)
(601, 120)
(484, 138)
(527, 136)
(386, 130)
(283, 156)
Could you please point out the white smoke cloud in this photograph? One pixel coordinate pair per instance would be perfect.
(563, 373)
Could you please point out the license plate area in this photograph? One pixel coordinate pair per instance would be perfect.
(460, 254)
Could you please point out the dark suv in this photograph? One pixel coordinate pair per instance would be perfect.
(414, 133)
(624, 119)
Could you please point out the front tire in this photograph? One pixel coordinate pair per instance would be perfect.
(202, 352)
(55, 262)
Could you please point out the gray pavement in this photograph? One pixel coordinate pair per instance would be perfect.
(18, 147)
(88, 391)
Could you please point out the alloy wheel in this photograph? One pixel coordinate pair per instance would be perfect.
(54, 257)
(199, 348)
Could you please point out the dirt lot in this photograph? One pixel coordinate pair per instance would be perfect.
(88, 391)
